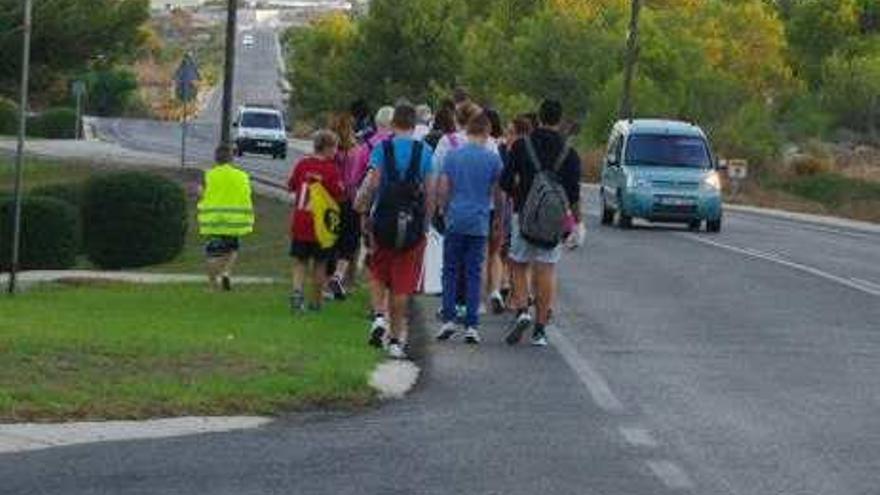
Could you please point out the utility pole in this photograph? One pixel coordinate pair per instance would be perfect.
(632, 56)
(19, 152)
(229, 72)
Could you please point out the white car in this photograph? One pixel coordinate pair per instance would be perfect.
(262, 130)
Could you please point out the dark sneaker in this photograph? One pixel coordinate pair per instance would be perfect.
(226, 283)
(522, 323)
(377, 331)
(539, 338)
(314, 307)
(337, 289)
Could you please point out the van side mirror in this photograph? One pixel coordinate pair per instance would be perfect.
(612, 160)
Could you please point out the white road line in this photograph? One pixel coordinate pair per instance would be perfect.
(862, 287)
(671, 475)
(595, 383)
(866, 283)
(638, 437)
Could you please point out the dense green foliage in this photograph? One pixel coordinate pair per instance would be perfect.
(50, 232)
(69, 37)
(752, 72)
(133, 219)
(54, 123)
(109, 91)
(8, 116)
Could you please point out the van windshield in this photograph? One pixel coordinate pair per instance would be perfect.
(260, 120)
(667, 151)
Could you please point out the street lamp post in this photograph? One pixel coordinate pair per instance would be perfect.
(632, 55)
(19, 152)
(229, 72)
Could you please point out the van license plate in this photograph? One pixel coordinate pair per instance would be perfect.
(673, 201)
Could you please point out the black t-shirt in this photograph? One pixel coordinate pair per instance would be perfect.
(519, 171)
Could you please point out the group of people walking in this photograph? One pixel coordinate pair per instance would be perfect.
(504, 200)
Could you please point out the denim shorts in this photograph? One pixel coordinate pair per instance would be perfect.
(522, 251)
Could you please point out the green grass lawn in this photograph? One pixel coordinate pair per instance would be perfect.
(118, 351)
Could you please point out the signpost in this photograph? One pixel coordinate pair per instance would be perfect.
(19, 152)
(78, 89)
(185, 83)
(737, 172)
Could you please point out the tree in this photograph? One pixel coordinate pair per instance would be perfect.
(321, 64)
(407, 47)
(69, 36)
(851, 91)
(816, 29)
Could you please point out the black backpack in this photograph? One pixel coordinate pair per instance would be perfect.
(399, 215)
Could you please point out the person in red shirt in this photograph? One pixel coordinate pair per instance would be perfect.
(304, 248)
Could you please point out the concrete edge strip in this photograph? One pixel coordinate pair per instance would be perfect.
(808, 218)
(394, 379)
(24, 437)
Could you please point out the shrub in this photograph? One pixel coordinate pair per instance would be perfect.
(806, 165)
(49, 233)
(133, 219)
(71, 192)
(8, 116)
(111, 91)
(55, 123)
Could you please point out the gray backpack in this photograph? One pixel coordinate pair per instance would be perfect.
(542, 219)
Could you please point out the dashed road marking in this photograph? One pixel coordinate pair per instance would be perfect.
(862, 287)
(638, 437)
(595, 383)
(671, 475)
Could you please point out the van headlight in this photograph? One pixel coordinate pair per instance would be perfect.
(712, 181)
(635, 182)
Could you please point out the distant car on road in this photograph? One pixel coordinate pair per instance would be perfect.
(260, 129)
(661, 171)
(247, 40)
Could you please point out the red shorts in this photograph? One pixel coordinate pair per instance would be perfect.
(400, 271)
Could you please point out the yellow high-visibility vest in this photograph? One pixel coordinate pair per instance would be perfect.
(226, 207)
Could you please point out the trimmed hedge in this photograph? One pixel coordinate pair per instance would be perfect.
(50, 231)
(54, 123)
(8, 116)
(69, 192)
(133, 219)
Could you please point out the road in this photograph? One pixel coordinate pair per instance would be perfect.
(743, 363)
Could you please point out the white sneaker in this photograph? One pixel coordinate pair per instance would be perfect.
(471, 336)
(497, 302)
(447, 331)
(395, 350)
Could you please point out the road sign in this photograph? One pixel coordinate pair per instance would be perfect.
(78, 88)
(185, 78)
(737, 169)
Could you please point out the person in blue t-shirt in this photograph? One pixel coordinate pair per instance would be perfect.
(395, 272)
(468, 186)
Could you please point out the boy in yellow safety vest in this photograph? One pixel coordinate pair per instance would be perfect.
(226, 213)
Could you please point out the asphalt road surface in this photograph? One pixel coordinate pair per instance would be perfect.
(744, 363)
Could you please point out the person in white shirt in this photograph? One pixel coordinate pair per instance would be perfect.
(423, 119)
(463, 114)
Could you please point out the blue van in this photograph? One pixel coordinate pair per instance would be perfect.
(661, 171)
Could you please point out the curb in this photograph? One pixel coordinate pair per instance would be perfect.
(823, 220)
(24, 437)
